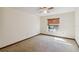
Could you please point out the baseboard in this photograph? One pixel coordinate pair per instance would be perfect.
(18, 42)
(57, 36)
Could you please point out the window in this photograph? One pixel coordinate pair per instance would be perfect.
(53, 24)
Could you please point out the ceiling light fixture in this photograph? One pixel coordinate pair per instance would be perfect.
(45, 9)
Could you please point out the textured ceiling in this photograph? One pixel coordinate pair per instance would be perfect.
(35, 10)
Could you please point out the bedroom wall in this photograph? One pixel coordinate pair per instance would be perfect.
(66, 26)
(1, 22)
(77, 25)
(17, 25)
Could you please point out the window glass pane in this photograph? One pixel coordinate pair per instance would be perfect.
(52, 28)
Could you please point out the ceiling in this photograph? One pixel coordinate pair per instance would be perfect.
(32, 10)
(35, 10)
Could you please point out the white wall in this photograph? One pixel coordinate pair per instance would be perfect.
(18, 25)
(66, 28)
(77, 25)
(1, 23)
